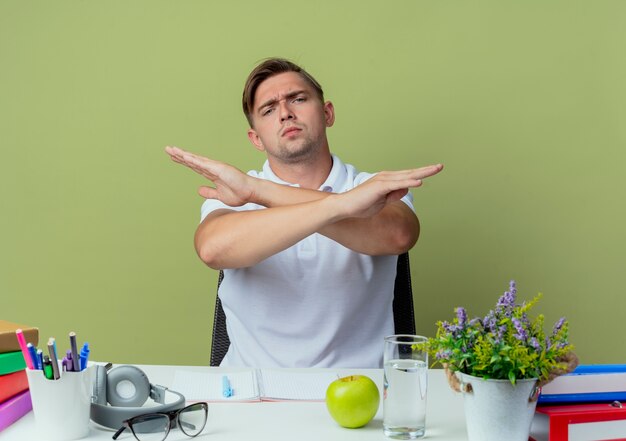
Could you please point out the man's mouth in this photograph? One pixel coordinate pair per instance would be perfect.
(290, 130)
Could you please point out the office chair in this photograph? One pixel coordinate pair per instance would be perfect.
(403, 315)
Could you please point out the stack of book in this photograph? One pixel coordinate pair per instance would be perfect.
(14, 394)
(588, 404)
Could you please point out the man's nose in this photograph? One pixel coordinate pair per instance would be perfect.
(286, 112)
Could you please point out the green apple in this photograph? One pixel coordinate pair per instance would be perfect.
(352, 401)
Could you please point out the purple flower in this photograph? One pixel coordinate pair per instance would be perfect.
(443, 354)
(534, 343)
(521, 334)
(490, 321)
(451, 329)
(506, 302)
(500, 334)
(461, 316)
(558, 325)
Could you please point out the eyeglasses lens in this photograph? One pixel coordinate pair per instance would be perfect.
(152, 427)
(192, 419)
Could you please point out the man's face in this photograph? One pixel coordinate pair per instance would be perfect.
(289, 120)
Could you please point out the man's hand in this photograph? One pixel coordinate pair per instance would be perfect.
(232, 186)
(369, 198)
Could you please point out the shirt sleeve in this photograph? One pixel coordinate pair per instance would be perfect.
(210, 205)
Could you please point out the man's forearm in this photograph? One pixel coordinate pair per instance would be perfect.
(393, 230)
(237, 239)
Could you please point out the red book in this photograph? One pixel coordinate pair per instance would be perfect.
(12, 384)
(579, 422)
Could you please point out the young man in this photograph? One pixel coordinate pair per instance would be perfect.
(308, 245)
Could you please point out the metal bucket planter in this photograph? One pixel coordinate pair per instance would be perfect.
(495, 410)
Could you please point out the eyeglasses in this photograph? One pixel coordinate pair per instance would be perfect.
(156, 426)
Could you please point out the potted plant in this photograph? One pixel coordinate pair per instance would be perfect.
(498, 362)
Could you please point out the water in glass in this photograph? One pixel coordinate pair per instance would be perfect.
(404, 403)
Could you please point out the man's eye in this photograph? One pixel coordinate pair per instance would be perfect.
(299, 99)
(267, 111)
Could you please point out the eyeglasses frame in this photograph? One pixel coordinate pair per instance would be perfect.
(172, 415)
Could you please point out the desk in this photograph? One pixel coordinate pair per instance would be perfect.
(276, 421)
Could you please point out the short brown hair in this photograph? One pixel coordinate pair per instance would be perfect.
(268, 68)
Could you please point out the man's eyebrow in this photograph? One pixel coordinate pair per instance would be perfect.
(273, 101)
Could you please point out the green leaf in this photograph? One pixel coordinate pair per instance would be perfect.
(512, 377)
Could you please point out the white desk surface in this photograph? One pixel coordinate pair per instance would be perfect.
(278, 421)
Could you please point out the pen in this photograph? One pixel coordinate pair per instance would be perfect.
(53, 358)
(226, 389)
(22, 341)
(47, 368)
(39, 359)
(32, 352)
(74, 351)
(84, 356)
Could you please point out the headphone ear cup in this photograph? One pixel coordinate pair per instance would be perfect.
(100, 386)
(127, 386)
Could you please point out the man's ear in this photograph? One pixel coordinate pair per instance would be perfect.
(255, 140)
(329, 113)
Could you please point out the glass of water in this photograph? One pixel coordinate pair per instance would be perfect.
(406, 380)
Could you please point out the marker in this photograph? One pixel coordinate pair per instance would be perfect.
(84, 357)
(32, 352)
(47, 368)
(69, 361)
(226, 389)
(53, 358)
(39, 359)
(22, 341)
(74, 351)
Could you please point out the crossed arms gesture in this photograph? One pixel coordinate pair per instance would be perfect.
(368, 219)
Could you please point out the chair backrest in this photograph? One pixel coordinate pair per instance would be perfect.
(403, 314)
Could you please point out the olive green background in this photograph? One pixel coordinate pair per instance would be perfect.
(523, 101)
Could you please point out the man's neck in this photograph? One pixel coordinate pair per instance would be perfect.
(309, 174)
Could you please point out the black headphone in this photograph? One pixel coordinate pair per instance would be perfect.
(126, 389)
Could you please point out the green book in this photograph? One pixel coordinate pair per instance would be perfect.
(11, 362)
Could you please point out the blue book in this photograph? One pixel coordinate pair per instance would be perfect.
(597, 383)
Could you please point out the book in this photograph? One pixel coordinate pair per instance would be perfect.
(12, 384)
(14, 408)
(587, 384)
(579, 422)
(254, 385)
(11, 362)
(8, 340)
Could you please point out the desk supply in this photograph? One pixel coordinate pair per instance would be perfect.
(74, 352)
(8, 342)
(12, 384)
(587, 384)
(254, 385)
(227, 391)
(14, 408)
(579, 422)
(84, 357)
(22, 342)
(61, 407)
(54, 361)
(11, 362)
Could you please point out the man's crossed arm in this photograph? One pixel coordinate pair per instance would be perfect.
(368, 219)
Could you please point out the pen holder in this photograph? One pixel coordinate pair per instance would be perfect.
(61, 407)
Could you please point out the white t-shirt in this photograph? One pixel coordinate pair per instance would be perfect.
(315, 304)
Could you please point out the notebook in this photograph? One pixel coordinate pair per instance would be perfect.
(254, 385)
